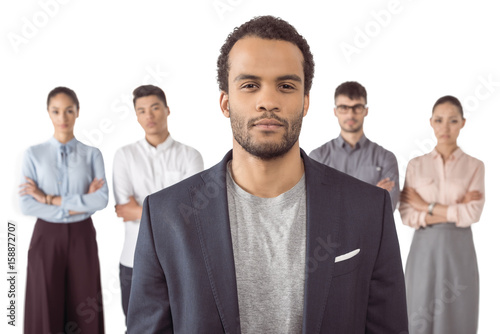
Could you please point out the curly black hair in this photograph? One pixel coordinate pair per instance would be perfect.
(266, 27)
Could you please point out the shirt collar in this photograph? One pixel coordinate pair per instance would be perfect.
(160, 147)
(454, 155)
(342, 143)
(70, 146)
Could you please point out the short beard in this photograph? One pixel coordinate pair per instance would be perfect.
(266, 151)
(352, 130)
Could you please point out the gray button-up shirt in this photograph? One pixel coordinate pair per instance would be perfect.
(366, 161)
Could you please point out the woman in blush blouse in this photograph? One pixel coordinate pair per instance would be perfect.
(442, 196)
(63, 184)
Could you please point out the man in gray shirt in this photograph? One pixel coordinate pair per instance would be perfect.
(352, 152)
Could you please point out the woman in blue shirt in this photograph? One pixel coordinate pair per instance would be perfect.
(63, 184)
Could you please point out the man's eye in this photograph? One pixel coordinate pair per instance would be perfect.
(287, 86)
(250, 86)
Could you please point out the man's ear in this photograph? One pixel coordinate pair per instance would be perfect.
(224, 103)
(306, 104)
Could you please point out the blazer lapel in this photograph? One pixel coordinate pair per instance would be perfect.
(212, 223)
(323, 216)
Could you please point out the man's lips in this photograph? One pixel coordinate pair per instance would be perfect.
(268, 123)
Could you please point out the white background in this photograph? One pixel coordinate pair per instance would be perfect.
(103, 50)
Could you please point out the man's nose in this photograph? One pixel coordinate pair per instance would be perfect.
(268, 99)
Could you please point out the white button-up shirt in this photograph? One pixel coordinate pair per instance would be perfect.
(140, 169)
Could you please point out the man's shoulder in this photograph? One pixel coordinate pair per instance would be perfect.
(380, 151)
(188, 150)
(323, 151)
(183, 190)
(336, 178)
(129, 148)
(356, 197)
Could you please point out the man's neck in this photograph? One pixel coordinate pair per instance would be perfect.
(157, 139)
(352, 138)
(266, 178)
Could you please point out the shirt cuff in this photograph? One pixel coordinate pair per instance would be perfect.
(421, 219)
(63, 203)
(452, 213)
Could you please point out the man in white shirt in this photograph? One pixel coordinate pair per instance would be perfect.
(144, 167)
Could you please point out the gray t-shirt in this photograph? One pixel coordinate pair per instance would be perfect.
(269, 242)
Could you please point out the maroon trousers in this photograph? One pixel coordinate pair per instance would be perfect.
(63, 290)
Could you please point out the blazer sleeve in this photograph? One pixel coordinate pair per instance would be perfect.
(387, 298)
(149, 305)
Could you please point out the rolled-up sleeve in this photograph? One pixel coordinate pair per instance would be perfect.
(409, 215)
(391, 171)
(29, 205)
(122, 181)
(465, 214)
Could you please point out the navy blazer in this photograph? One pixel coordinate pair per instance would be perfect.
(184, 277)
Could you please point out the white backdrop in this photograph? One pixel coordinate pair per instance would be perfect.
(406, 53)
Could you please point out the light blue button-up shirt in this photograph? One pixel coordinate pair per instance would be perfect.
(64, 170)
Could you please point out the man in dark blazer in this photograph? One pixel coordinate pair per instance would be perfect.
(268, 240)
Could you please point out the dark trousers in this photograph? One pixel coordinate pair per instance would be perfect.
(125, 284)
(63, 289)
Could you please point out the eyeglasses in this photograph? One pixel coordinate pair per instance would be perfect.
(356, 109)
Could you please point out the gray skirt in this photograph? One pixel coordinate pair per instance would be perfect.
(442, 281)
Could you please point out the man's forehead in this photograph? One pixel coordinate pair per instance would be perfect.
(146, 101)
(256, 53)
(347, 99)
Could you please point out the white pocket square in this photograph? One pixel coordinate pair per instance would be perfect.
(346, 256)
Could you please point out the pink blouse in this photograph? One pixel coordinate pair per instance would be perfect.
(445, 183)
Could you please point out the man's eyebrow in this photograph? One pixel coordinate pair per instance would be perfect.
(246, 77)
(292, 77)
